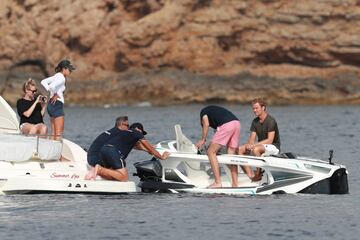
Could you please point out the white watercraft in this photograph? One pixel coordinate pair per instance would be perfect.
(31, 164)
(187, 171)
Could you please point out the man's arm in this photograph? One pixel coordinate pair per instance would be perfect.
(269, 139)
(205, 129)
(251, 141)
(139, 146)
(146, 146)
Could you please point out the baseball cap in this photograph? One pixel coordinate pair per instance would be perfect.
(65, 64)
(139, 126)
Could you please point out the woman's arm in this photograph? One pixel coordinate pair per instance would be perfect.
(43, 106)
(53, 83)
(31, 109)
(46, 82)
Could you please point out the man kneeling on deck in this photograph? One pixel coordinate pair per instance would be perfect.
(111, 163)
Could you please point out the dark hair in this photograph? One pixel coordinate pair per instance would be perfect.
(260, 101)
(64, 64)
(120, 119)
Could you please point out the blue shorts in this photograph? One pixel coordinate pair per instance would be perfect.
(55, 109)
(110, 157)
(93, 159)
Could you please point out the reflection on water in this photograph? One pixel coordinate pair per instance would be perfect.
(311, 131)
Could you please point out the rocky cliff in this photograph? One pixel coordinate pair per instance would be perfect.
(178, 51)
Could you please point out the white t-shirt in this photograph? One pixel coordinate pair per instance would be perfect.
(55, 84)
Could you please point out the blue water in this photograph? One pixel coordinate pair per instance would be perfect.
(309, 130)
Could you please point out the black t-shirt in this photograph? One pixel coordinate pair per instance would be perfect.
(125, 140)
(217, 116)
(101, 140)
(23, 105)
(262, 129)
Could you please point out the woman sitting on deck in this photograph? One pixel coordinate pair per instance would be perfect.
(31, 110)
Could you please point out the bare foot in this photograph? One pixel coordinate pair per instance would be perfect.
(96, 170)
(91, 174)
(215, 185)
(258, 175)
(256, 178)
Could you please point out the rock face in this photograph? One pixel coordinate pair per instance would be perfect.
(178, 51)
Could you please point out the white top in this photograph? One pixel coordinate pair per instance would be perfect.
(55, 84)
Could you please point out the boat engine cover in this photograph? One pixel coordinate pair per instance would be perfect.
(149, 170)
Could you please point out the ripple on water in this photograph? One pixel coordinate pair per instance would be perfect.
(306, 130)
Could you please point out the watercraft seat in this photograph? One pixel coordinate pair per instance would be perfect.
(19, 148)
(184, 145)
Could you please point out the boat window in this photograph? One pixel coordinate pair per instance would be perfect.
(317, 168)
(164, 145)
(280, 175)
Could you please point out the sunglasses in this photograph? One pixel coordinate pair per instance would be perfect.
(33, 91)
(125, 124)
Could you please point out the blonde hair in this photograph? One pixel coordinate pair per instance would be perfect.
(28, 83)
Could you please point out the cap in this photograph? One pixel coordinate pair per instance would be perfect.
(64, 64)
(139, 126)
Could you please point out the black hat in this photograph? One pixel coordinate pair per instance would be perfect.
(139, 126)
(64, 64)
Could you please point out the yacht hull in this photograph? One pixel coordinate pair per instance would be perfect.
(35, 164)
(31, 185)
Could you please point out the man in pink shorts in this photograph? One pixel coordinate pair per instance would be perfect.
(227, 127)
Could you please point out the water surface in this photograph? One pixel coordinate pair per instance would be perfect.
(309, 130)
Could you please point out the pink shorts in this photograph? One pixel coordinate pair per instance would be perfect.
(228, 134)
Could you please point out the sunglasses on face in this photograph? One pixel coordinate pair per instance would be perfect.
(33, 91)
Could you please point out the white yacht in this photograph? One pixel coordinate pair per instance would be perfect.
(187, 171)
(31, 164)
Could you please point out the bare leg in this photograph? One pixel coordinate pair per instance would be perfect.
(257, 151)
(27, 128)
(233, 169)
(112, 174)
(32, 130)
(41, 130)
(59, 127)
(211, 152)
(247, 169)
(52, 120)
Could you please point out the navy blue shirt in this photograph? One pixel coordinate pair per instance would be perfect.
(94, 150)
(125, 140)
(217, 116)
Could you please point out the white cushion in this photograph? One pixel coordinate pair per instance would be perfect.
(18, 148)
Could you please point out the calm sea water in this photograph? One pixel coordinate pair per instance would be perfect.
(311, 131)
